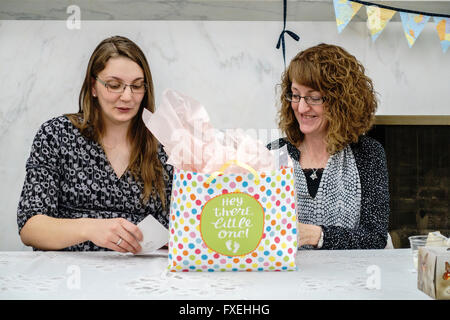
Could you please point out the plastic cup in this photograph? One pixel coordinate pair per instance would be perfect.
(415, 243)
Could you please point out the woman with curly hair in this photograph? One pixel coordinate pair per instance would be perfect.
(93, 175)
(327, 106)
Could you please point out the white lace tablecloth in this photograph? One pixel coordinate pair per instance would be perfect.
(351, 274)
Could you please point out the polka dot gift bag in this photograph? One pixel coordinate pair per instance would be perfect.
(232, 206)
(233, 221)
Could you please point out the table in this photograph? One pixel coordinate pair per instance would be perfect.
(341, 274)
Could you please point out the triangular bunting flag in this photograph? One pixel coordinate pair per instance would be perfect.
(443, 30)
(345, 10)
(413, 25)
(377, 19)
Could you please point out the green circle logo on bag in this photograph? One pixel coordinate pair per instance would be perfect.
(232, 224)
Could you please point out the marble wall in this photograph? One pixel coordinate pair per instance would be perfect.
(231, 67)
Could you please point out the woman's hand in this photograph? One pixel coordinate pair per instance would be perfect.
(106, 233)
(308, 234)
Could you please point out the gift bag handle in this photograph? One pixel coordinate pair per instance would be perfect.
(229, 163)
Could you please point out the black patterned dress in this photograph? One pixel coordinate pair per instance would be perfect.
(69, 176)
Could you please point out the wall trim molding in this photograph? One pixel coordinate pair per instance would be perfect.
(198, 10)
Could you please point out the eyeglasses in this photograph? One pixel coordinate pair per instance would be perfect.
(115, 86)
(314, 101)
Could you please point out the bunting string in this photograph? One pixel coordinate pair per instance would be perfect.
(290, 33)
(382, 6)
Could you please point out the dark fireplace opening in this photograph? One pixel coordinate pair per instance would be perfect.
(418, 164)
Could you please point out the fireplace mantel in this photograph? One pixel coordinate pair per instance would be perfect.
(435, 120)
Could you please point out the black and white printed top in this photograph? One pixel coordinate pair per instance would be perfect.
(69, 176)
(371, 207)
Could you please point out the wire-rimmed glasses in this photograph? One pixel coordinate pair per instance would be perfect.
(115, 86)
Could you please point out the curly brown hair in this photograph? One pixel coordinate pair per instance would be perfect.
(350, 99)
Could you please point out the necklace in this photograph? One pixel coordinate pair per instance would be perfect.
(313, 175)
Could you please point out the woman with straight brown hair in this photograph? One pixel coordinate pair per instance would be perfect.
(93, 175)
(328, 105)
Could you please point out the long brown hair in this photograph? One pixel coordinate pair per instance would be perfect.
(144, 162)
(350, 103)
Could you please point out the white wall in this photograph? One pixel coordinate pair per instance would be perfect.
(231, 67)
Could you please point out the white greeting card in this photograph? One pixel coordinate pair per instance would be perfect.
(155, 235)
